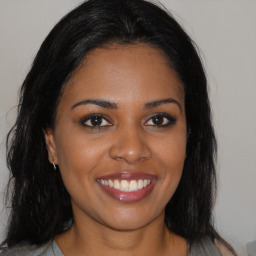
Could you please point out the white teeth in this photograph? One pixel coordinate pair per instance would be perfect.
(116, 184)
(110, 183)
(140, 184)
(126, 185)
(133, 185)
(105, 182)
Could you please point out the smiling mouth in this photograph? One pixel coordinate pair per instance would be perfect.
(127, 187)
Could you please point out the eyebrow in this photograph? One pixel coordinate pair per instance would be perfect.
(157, 103)
(111, 105)
(98, 102)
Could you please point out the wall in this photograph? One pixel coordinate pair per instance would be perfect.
(225, 31)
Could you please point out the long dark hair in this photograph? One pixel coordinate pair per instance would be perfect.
(41, 206)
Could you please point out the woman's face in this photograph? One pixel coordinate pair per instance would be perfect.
(120, 136)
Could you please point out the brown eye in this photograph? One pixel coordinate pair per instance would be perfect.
(158, 120)
(96, 121)
(161, 120)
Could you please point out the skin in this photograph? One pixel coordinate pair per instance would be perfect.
(129, 140)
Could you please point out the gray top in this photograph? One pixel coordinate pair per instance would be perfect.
(205, 248)
(49, 249)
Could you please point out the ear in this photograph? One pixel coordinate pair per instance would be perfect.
(50, 145)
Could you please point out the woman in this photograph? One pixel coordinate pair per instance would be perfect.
(113, 149)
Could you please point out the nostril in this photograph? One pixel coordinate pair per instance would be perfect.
(130, 151)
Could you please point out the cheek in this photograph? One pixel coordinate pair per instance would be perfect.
(77, 160)
(171, 154)
(77, 148)
(172, 150)
(78, 157)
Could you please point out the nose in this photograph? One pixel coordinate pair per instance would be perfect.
(130, 146)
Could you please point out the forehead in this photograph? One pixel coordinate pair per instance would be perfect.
(137, 72)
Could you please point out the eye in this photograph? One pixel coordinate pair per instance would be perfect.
(161, 120)
(95, 121)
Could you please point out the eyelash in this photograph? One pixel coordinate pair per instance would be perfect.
(101, 117)
(167, 119)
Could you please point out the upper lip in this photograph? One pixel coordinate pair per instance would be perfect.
(128, 176)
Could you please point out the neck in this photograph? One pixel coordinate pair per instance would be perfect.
(93, 238)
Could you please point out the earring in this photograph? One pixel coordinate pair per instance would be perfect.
(54, 166)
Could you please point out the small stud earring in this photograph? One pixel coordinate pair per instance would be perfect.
(54, 165)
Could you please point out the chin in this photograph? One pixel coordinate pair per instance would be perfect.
(128, 220)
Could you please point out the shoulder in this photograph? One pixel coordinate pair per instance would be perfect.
(25, 249)
(223, 249)
(208, 247)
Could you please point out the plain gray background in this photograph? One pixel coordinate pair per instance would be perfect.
(225, 31)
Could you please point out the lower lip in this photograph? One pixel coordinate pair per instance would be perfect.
(128, 197)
